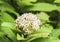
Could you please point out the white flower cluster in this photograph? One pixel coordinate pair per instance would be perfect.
(28, 22)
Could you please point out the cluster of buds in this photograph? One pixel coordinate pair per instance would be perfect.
(27, 22)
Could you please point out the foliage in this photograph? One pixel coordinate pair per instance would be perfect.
(48, 11)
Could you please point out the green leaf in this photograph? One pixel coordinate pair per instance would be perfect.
(43, 7)
(6, 29)
(43, 17)
(4, 39)
(9, 25)
(6, 17)
(55, 33)
(51, 39)
(7, 7)
(46, 28)
(58, 8)
(19, 37)
(1, 34)
(44, 31)
(57, 1)
(25, 2)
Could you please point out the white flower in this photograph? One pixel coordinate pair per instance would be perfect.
(28, 22)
